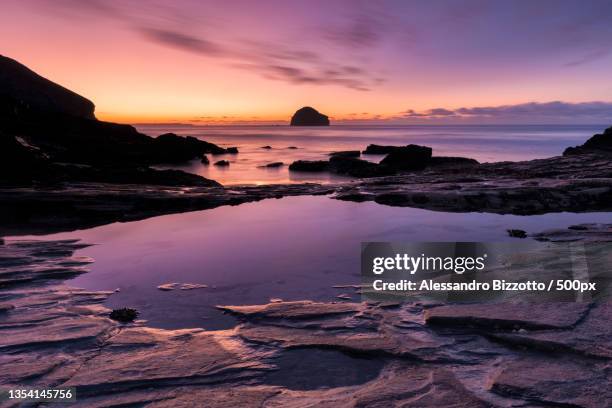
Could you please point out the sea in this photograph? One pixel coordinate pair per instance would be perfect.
(485, 143)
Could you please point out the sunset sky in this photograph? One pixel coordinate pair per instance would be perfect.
(540, 61)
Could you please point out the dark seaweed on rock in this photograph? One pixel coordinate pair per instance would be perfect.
(124, 315)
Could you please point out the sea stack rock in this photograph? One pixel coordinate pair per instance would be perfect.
(20, 86)
(308, 116)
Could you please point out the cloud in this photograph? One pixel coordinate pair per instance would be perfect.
(280, 60)
(430, 113)
(182, 41)
(590, 57)
(362, 30)
(531, 112)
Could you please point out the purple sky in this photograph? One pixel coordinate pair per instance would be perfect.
(539, 61)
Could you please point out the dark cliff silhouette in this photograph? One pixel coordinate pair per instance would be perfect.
(308, 116)
(20, 83)
(57, 131)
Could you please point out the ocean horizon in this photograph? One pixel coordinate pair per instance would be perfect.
(485, 143)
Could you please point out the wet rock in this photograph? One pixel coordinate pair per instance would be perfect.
(482, 355)
(124, 315)
(308, 116)
(601, 142)
(309, 165)
(273, 165)
(23, 263)
(557, 382)
(205, 160)
(83, 205)
(516, 233)
(569, 183)
(231, 150)
(131, 360)
(591, 337)
(411, 157)
(222, 163)
(451, 161)
(292, 147)
(181, 286)
(357, 167)
(346, 153)
(292, 310)
(582, 232)
(266, 147)
(137, 175)
(380, 149)
(508, 316)
(170, 147)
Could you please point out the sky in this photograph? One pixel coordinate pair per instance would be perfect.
(242, 61)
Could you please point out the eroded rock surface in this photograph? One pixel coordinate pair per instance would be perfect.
(570, 183)
(417, 354)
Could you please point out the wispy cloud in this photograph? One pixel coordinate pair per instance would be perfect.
(296, 63)
(182, 41)
(531, 112)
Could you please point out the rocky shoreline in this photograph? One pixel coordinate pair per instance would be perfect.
(576, 183)
(62, 169)
(414, 353)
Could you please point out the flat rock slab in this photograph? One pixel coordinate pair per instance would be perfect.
(504, 316)
(569, 183)
(592, 337)
(293, 310)
(580, 232)
(401, 385)
(557, 382)
(141, 357)
(181, 286)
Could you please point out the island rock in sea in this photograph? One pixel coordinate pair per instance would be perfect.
(308, 116)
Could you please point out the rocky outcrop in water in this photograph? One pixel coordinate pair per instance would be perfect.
(171, 147)
(601, 142)
(308, 116)
(309, 165)
(346, 153)
(399, 159)
(273, 165)
(379, 149)
(570, 183)
(411, 157)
